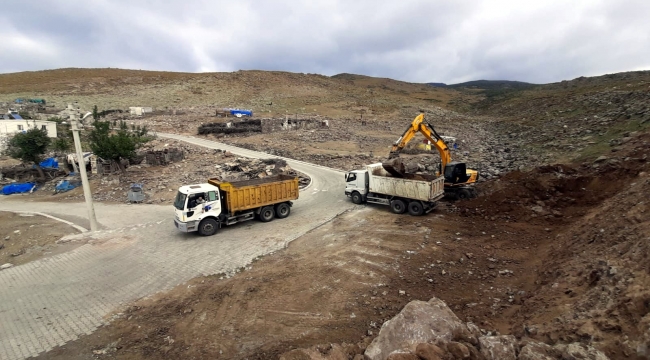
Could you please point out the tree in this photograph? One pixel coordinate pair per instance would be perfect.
(61, 145)
(115, 145)
(95, 113)
(30, 146)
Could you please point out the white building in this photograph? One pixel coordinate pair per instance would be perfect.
(139, 110)
(10, 127)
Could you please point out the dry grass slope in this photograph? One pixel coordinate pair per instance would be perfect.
(288, 93)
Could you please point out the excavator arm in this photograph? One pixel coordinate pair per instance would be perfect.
(429, 133)
(455, 175)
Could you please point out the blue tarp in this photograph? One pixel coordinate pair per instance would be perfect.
(241, 112)
(17, 188)
(65, 185)
(49, 163)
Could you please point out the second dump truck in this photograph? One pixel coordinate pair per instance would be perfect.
(207, 207)
(375, 185)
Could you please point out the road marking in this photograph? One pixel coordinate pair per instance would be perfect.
(81, 229)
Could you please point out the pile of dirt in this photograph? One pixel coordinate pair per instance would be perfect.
(560, 192)
(593, 284)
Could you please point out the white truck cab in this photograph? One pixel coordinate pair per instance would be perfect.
(189, 210)
(356, 184)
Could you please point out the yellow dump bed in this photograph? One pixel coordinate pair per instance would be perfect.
(251, 194)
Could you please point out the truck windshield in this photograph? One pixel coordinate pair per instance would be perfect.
(179, 203)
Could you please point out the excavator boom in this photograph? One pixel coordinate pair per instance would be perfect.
(429, 133)
(456, 175)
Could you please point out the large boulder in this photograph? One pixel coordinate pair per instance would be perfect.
(419, 322)
(429, 352)
(501, 347)
(457, 350)
(331, 352)
(402, 356)
(538, 351)
(578, 351)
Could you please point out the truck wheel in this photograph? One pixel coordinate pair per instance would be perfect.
(267, 214)
(416, 208)
(464, 194)
(282, 210)
(397, 206)
(208, 227)
(356, 198)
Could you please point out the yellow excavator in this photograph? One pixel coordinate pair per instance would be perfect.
(459, 180)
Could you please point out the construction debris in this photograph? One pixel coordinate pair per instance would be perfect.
(262, 125)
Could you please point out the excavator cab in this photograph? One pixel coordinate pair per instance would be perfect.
(456, 173)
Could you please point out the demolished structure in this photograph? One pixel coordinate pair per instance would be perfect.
(267, 125)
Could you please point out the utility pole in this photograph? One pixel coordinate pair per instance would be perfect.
(82, 170)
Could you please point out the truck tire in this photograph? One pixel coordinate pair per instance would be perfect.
(282, 210)
(416, 208)
(208, 226)
(267, 214)
(464, 194)
(397, 206)
(356, 198)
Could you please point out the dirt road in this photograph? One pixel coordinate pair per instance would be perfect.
(51, 301)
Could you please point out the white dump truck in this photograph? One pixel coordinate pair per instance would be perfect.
(207, 207)
(417, 195)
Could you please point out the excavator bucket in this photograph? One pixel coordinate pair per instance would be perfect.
(395, 167)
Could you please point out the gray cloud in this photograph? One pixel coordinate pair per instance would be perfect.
(411, 40)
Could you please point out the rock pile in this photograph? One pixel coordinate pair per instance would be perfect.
(429, 330)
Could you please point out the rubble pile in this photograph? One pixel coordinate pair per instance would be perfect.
(160, 182)
(233, 127)
(22, 173)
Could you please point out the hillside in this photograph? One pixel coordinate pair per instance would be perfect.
(576, 119)
(487, 85)
(274, 93)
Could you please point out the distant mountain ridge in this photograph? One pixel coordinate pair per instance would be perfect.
(487, 85)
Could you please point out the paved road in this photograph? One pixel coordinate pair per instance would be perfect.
(49, 302)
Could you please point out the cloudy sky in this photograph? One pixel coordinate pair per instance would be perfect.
(449, 41)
